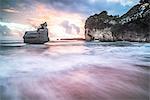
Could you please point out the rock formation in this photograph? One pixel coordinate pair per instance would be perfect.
(37, 37)
(132, 26)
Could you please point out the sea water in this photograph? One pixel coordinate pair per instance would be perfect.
(75, 70)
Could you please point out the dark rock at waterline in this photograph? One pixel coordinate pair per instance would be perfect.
(132, 26)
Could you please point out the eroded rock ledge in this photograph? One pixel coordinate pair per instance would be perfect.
(132, 26)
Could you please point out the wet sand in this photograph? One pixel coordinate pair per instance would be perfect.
(85, 83)
(75, 71)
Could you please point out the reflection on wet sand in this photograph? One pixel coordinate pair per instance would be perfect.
(86, 83)
(75, 71)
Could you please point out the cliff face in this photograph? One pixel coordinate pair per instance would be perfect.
(132, 26)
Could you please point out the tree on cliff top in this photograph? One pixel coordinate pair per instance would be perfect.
(103, 13)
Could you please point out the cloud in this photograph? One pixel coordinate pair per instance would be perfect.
(62, 16)
(10, 10)
(70, 28)
(67, 26)
(76, 28)
(123, 2)
(12, 30)
(4, 31)
(86, 7)
(7, 33)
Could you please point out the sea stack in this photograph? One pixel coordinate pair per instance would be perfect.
(40, 36)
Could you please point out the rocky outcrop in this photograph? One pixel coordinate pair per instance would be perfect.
(37, 37)
(132, 26)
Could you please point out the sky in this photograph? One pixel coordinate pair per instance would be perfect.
(65, 18)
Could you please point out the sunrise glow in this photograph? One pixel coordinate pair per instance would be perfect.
(60, 24)
(63, 21)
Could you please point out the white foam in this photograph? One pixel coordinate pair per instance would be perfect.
(32, 59)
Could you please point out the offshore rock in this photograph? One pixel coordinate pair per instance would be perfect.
(37, 37)
(132, 26)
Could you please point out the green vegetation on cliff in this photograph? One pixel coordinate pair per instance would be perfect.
(132, 26)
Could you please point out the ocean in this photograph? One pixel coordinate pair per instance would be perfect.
(75, 70)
